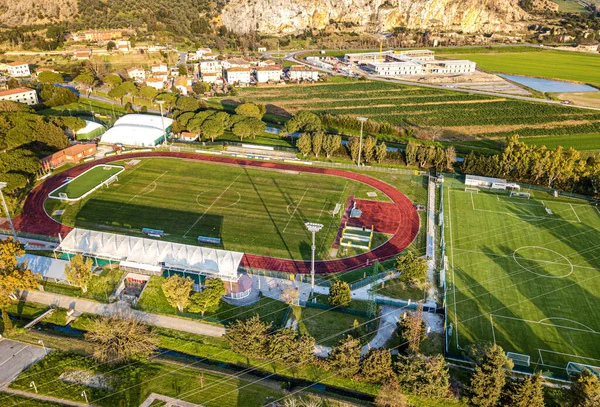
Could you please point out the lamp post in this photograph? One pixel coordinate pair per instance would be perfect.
(84, 395)
(313, 228)
(162, 120)
(44, 346)
(12, 227)
(362, 121)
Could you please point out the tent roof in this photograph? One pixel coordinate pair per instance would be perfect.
(146, 120)
(45, 266)
(211, 262)
(132, 135)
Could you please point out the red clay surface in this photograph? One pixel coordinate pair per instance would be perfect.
(34, 219)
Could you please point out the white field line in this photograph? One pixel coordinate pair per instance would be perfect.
(493, 331)
(578, 220)
(294, 212)
(323, 241)
(568, 354)
(452, 265)
(597, 210)
(588, 330)
(211, 205)
(524, 216)
(142, 192)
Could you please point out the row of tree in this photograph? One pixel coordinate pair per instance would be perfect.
(538, 165)
(180, 294)
(429, 155)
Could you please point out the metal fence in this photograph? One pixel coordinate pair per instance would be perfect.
(370, 279)
(404, 304)
(335, 309)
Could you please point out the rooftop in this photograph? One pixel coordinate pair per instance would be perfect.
(15, 91)
(17, 63)
(238, 69)
(70, 151)
(269, 68)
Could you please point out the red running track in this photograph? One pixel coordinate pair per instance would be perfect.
(34, 219)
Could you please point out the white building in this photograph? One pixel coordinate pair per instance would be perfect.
(394, 68)
(210, 66)
(420, 54)
(238, 75)
(449, 67)
(156, 83)
(137, 74)
(236, 63)
(160, 67)
(20, 95)
(301, 72)
(18, 69)
(270, 73)
(209, 77)
(201, 52)
(138, 130)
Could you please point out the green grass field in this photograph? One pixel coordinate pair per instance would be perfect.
(251, 210)
(569, 6)
(85, 182)
(523, 277)
(562, 65)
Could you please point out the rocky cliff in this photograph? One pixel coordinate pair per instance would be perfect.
(293, 16)
(25, 12)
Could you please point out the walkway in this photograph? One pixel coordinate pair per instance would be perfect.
(119, 308)
(44, 398)
(169, 400)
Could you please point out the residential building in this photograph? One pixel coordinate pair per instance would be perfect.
(21, 95)
(18, 69)
(82, 54)
(160, 67)
(201, 52)
(183, 84)
(270, 73)
(102, 35)
(156, 83)
(238, 75)
(262, 49)
(210, 66)
(209, 77)
(123, 46)
(265, 63)
(236, 63)
(449, 67)
(188, 136)
(301, 72)
(394, 68)
(137, 74)
(73, 154)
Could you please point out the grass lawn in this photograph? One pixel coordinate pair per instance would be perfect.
(561, 65)
(85, 182)
(187, 199)
(100, 288)
(581, 142)
(524, 273)
(7, 399)
(153, 300)
(402, 291)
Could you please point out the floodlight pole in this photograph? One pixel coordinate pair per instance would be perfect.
(362, 121)
(162, 120)
(12, 227)
(313, 228)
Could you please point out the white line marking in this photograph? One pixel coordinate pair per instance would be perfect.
(211, 205)
(547, 324)
(493, 331)
(578, 220)
(452, 265)
(295, 209)
(143, 191)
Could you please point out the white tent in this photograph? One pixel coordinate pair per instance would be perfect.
(153, 255)
(138, 130)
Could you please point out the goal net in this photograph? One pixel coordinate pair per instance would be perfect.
(472, 189)
(109, 181)
(517, 194)
(519, 359)
(108, 167)
(175, 148)
(575, 369)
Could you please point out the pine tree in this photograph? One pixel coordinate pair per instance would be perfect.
(426, 377)
(377, 366)
(304, 144)
(488, 380)
(344, 358)
(380, 152)
(412, 329)
(339, 294)
(390, 395)
(317, 143)
(530, 393)
(369, 148)
(585, 390)
(249, 338)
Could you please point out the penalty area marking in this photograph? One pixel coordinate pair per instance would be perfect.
(568, 262)
(528, 321)
(578, 220)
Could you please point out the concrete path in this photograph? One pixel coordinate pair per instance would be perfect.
(16, 357)
(44, 398)
(169, 400)
(120, 308)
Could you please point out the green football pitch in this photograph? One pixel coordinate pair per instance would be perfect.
(87, 181)
(524, 273)
(251, 210)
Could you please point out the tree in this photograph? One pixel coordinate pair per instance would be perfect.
(380, 152)
(112, 80)
(86, 79)
(117, 93)
(50, 77)
(148, 92)
(13, 83)
(411, 153)
(187, 104)
(117, 339)
(354, 147)
(412, 329)
(411, 268)
(212, 128)
(339, 294)
(390, 395)
(56, 95)
(249, 110)
(249, 337)
(177, 290)
(286, 346)
(377, 366)
(182, 70)
(200, 88)
(290, 295)
(304, 144)
(344, 358)
(208, 298)
(13, 277)
(368, 150)
(110, 45)
(306, 122)
(530, 393)
(79, 272)
(425, 377)
(450, 158)
(486, 384)
(317, 143)
(331, 144)
(585, 390)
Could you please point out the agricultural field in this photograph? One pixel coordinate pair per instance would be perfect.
(537, 62)
(523, 273)
(251, 210)
(463, 117)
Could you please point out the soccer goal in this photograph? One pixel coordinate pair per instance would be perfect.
(519, 359)
(575, 369)
(472, 189)
(517, 194)
(111, 180)
(175, 148)
(63, 196)
(108, 167)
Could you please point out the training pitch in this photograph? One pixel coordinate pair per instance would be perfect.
(251, 210)
(524, 273)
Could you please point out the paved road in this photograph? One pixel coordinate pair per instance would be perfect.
(120, 308)
(16, 357)
(41, 397)
(169, 400)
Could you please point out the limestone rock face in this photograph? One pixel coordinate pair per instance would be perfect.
(26, 12)
(293, 16)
